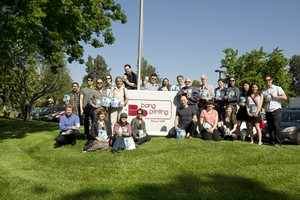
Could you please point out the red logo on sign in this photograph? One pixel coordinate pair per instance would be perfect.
(132, 110)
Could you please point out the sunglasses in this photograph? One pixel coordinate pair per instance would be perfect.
(99, 82)
(107, 78)
(268, 79)
(139, 113)
(231, 80)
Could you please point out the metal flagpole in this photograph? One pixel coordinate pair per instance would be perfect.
(140, 47)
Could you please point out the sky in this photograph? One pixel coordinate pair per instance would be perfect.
(188, 37)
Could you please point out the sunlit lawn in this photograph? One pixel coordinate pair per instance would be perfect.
(31, 168)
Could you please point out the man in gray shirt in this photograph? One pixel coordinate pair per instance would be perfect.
(185, 119)
(153, 83)
(85, 107)
(95, 99)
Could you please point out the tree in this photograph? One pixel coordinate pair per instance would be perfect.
(35, 79)
(196, 83)
(294, 71)
(254, 65)
(97, 68)
(51, 27)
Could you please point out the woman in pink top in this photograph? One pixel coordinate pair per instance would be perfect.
(209, 122)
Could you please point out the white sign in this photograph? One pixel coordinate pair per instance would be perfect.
(159, 109)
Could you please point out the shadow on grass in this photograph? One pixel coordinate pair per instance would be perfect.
(216, 186)
(185, 186)
(16, 128)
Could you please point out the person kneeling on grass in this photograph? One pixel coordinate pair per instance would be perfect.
(121, 129)
(101, 133)
(209, 122)
(138, 127)
(69, 125)
(185, 119)
(229, 124)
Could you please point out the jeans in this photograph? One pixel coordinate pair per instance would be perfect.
(274, 122)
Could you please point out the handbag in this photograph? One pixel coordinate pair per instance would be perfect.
(262, 121)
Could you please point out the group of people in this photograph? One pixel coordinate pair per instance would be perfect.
(211, 112)
(220, 112)
(109, 126)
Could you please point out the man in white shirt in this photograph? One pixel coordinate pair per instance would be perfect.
(273, 95)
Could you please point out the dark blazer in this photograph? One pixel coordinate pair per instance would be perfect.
(95, 129)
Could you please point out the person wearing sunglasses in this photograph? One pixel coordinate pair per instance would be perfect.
(108, 82)
(138, 128)
(152, 85)
(85, 106)
(232, 95)
(191, 92)
(96, 98)
(273, 95)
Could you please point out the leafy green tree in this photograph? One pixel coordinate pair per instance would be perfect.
(196, 83)
(97, 68)
(36, 80)
(254, 65)
(51, 27)
(294, 71)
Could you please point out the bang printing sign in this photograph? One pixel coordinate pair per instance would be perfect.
(155, 109)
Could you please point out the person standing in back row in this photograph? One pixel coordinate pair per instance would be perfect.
(232, 95)
(85, 107)
(129, 78)
(273, 95)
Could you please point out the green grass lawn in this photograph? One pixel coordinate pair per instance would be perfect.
(30, 168)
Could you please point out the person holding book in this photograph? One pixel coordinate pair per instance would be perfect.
(254, 105)
(69, 128)
(229, 124)
(185, 119)
(121, 129)
(232, 94)
(273, 96)
(242, 114)
(138, 128)
(209, 122)
(101, 133)
(95, 99)
(165, 85)
(120, 95)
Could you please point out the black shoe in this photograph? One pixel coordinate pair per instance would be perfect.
(114, 151)
(56, 145)
(120, 150)
(73, 143)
